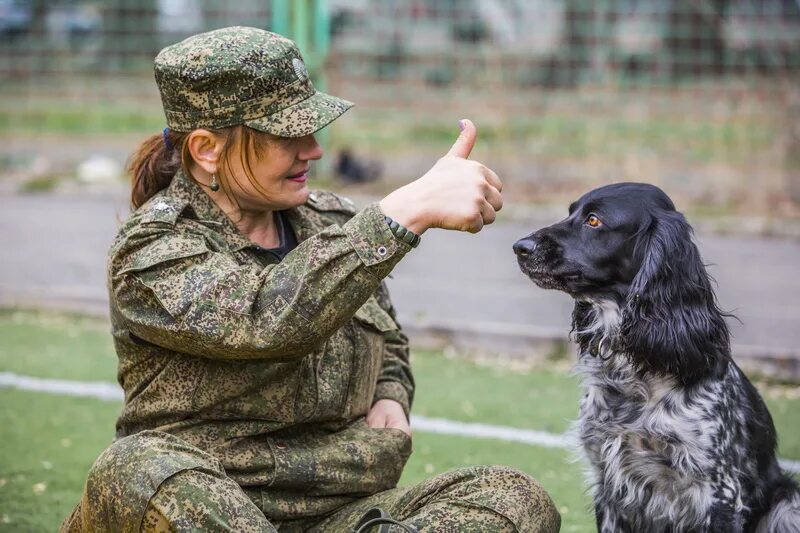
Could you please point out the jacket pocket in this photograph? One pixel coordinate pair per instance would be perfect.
(268, 391)
(154, 266)
(163, 251)
(357, 460)
(371, 325)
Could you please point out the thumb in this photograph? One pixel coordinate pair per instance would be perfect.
(463, 145)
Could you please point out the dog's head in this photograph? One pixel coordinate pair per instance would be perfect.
(592, 254)
(625, 245)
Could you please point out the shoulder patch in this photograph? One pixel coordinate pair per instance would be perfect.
(167, 247)
(162, 209)
(328, 201)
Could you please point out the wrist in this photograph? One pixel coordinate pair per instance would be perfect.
(402, 233)
(393, 391)
(391, 407)
(404, 212)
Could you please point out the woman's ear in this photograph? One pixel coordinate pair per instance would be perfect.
(671, 322)
(205, 148)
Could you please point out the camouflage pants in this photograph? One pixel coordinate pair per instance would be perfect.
(153, 481)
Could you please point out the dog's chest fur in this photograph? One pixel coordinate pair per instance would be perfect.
(661, 454)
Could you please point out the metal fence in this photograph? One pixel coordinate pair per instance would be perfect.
(701, 96)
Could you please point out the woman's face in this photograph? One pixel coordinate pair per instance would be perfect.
(280, 172)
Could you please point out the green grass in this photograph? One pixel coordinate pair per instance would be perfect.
(98, 120)
(554, 469)
(553, 135)
(545, 399)
(48, 444)
(558, 137)
(49, 441)
(40, 184)
(56, 346)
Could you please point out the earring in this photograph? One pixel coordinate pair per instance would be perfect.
(214, 185)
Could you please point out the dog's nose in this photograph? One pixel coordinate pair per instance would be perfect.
(525, 247)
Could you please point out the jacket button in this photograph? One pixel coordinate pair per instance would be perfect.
(382, 251)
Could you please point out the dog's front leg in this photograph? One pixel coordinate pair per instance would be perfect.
(724, 518)
(609, 521)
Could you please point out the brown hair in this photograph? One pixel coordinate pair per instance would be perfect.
(153, 165)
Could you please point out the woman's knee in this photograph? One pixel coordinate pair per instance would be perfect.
(508, 481)
(116, 466)
(509, 492)
(196, 500)
(128, 473)
(141, 461)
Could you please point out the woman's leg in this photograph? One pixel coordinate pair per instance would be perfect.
(196, 500)
(153, 481)
(485, 499)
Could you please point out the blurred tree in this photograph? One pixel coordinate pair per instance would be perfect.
(792, 170)
(38, 12)
(694, 39)
(586, 43)
(129, 33)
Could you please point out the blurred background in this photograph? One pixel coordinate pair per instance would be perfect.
(700, 96)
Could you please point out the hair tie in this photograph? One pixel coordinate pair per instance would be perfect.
(165, 135)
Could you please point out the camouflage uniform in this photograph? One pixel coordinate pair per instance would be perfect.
(247, 379)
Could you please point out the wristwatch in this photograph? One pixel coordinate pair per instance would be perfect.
(403, 233)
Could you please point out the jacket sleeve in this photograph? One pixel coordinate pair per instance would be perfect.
(395, 381)
(173, 291)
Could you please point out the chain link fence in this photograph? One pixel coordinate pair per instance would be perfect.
(699, 96)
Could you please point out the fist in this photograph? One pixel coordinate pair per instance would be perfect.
(456, 193)
(388, 414)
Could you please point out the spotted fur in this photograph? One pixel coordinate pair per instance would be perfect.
(663, 456)
(677, 438)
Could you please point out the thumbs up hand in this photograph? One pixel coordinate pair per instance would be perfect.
(456, 194)
(466, 141)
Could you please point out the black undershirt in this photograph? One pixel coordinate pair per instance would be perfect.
(288, 241)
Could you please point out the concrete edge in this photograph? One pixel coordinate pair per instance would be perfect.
(731, 224)
(537, 344)
(521, 343)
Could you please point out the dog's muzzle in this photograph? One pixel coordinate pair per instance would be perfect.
(525, 247)
(534, 256)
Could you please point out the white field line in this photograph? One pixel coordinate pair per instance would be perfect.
(485, 431)
(112, 392)
(92, 389)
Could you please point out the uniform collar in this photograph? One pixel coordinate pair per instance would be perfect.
(203, 208)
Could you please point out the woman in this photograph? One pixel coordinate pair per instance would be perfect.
(267, 384)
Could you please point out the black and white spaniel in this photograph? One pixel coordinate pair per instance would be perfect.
(677, 437)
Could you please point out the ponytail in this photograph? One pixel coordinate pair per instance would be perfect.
(154, 164)
(159, 157)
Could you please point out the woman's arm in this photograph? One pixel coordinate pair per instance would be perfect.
(396, 380)
(174, 292)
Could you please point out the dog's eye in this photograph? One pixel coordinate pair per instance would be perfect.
(593, 221)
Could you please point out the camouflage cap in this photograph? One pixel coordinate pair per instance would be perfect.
(241, 75)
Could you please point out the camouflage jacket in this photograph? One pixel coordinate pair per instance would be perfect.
(269, 365)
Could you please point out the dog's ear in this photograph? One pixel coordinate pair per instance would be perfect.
(671, 322)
